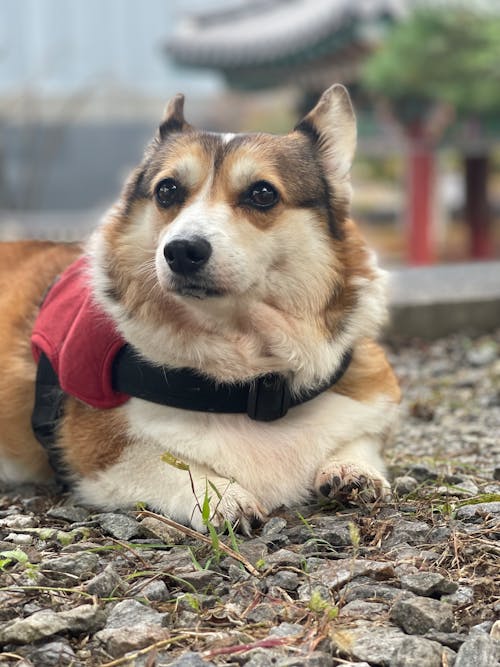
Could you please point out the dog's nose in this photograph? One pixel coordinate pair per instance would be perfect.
(187, 255)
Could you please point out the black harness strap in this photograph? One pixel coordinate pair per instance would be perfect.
(47, 411)
(266, 398)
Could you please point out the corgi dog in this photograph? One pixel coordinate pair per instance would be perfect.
(214, 339)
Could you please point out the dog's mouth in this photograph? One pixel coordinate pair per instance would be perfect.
(197, 290)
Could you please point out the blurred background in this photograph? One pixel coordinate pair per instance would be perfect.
(83, 84)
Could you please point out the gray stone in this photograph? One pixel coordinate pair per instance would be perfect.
(47, 623)
(285, 557)
(70, 568)
(105, 584)
(260, 658)
(423, 473)
(285, 579)
(463, 595)
(132, 612)
(275, 525)
(409, 532)
(287, 630)
(119, 526)
(70, 513)
(160, 530)
(404, 485)
(417, 652)
(199, 580)
(189, 659)
(416, 615)
(53, 654)
(452, 639)
(366, 641)
(333, 530)
(254, 550)
(264, 612)
(18, 521)
(313, 659)
(483, 354)
(428, 584)
(363, 609)
(365, 589)
(120, 640)
(155, 590)
(477, 651)
(477, 511)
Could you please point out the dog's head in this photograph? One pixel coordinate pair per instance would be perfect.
(209, 222)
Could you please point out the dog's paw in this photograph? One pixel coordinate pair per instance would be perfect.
(351, 481)
(234, 505)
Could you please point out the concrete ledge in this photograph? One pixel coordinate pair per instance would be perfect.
(435, 301)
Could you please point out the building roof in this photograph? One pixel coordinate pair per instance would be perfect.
(278, 33)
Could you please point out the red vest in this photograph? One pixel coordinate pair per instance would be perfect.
(79, 339)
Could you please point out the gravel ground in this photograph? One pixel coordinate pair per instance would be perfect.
(412, 583)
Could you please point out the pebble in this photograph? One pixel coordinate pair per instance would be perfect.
(363, 609)
(106, 584)
(53, 654)
(428, 584)
(47, 623)
(70, 568)
(129, 613)
(119, 526)
(367, 641)
(199, 580)
(155, 590)
(417, 615)
(18, 521)
(407, 532)
(118, 641)
(404, 485)
(19, 538)
(462, 596)
(69, 513)
(478, 511)
(188, 659)
(288, 581)
(477, 651)
(274, 526)
(418, 652)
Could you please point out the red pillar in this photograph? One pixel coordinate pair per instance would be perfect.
(420, 200)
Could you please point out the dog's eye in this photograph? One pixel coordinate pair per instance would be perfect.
(169, 192)
(261, 195)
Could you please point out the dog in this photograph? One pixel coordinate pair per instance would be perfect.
(229, 277)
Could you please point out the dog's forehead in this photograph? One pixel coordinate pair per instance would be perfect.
(242, 156)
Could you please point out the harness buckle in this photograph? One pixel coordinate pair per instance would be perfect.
(269, 398)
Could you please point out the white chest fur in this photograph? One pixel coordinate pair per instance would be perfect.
(275, 461)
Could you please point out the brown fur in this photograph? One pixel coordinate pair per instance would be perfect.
(26, 271)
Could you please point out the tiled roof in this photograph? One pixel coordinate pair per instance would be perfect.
(256, 32)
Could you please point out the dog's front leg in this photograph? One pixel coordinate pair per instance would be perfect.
(191, 495)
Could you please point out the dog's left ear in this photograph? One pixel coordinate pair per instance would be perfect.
(332, 127)
(173, 118)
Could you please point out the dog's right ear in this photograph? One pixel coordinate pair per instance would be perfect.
(173, 117)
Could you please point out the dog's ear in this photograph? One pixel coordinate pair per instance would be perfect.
(173, 117)
(332, 127)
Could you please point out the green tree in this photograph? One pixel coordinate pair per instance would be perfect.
(444, 57)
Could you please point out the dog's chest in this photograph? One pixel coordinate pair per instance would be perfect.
(264, 457)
